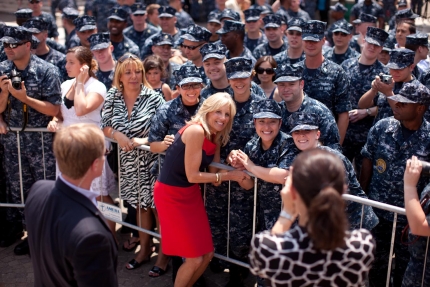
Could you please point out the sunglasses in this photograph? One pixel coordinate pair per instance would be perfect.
(269, 71)
(191, 86)
(191, 47)
(127, 56)
(337, 33)
(13, 46)
(294, 33)
(34, 2)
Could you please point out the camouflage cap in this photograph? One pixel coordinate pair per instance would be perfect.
(303, 122)
(419, 39)
(313, 30)
(288, 73)
(70, 13)
(295, 24)
(138, 9)
(402, 3)
(166, 12)
(405, 14)
(266, 109)
(118, 13)
(365, 18)
(376, 36)
(84, 23)
(338, 8)
(342, 26)
(15, 35)
(231, 26)
(252, 14)
(24, 14)
(388, 46)
(264, 10)
(238, 68)
(230, 14)
(187, 73)
(36, 25)
(34, 42)
(400, 58)
(196, 33)
(272, 21)
(162, 39)
(412, 93)
(213, 50)
(99, 41)
(214, 17)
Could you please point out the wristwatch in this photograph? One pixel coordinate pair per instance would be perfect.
(286, 215)
(368, 112)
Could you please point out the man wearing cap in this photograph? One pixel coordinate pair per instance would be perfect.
(325, 81)
(253, 36)
(213, 57)
(229, 14)
(293, 10)
(405, 25)
(85, 27)
(33, 105)
(369, 7)
(337, 13)
(101, 11)
(342, 34)
(361, 24)
(391, 142)
(232, 36)
(36, 7)
(102, 50)
(214, 24)
(183, 18)
(140, 30)
(418, 43)
(401, 5)
(361, 72)
(384, 56)
(70, 14)
(294, 52)
(274, 34)
(116, 25)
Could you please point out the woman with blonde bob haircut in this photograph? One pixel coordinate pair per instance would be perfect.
(184, 224)
(130, 104)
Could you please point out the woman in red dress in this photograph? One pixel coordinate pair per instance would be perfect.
(184, 224)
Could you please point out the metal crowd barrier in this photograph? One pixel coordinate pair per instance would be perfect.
(375, 204)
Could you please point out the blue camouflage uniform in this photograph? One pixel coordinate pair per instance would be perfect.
(362, 18)
(421, 40)
(252, 15)
(52, 24)
(209, 90)
(70, 14)
(101, 41)
(346, 28)
(373, 9)
(126, 45)
(338, 7)
(147, 48)
(100, 9)
(139, 37)
(82, 23)
(270, 21)
(184, 19)
(288, 14)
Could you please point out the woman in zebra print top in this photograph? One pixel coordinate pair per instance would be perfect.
(129, 107)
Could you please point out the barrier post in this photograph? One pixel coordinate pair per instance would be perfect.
(390, 257)
(20, 167)
(254, 216)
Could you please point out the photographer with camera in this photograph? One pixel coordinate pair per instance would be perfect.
(30, 96)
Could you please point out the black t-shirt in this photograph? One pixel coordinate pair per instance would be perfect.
(406, 132)
(239, 106)
(43, 57)
(363, 67)
(192, 109)
(273, 52)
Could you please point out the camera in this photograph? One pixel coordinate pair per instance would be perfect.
(386, 79)
(426, 168)
(16, 79)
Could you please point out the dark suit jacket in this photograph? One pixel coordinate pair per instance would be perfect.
(70, 242)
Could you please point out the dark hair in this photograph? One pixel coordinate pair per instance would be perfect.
(412, 47)
(319, 178)
(85, 56)
(263, 59)
(412, 27)
(241, 34)
(154, 62)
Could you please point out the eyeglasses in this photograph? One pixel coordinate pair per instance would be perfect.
(268, 71)
(34, 2)
(337, 33)
(191, 47)
(127, 56)
(14, 45)
(191, 86)
(294, 33)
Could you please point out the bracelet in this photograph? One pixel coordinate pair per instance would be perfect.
(112, 133)
(217, 177)
(79, 83)
(220, 180)
(286, 215)
(369, 112)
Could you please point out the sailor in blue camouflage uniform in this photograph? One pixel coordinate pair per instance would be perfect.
(361, 72)
(36, 7)
(40, 96)
(214, 24)
(68, 16)
(390, 143)
(140, 30)
(288, 14)
(341, 51)
(368, 7)
(116, 25)
(419, 43)
(85, 27)
(101, 11)
(401, 5)
(326, 82)
(384, 56)
(183, 18)
(254, 36)
(337, 14)
(275, 43)
(229, 14)
(100, 44)
(239, 73)
(213, 57)
(232, 36)
(294, 52)
(361, 24)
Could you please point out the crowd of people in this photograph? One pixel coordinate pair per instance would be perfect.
(313, 111)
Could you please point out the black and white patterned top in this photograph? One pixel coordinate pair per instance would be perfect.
(290, 259)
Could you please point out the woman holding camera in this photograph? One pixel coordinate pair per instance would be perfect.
(319, 251)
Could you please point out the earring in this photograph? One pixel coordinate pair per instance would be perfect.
(120, 86)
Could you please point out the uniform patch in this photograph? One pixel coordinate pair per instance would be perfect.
(381, 166)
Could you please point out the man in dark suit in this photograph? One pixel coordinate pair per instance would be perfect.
(70, 242)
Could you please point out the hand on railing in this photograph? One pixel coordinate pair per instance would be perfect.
(234, 161)
(54, 126)
(168, 140)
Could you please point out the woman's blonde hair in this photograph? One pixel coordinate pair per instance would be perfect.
(121, 65)
(212, 104)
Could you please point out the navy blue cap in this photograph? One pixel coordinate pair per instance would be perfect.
(252, 14)
(24, 14)
(402, 3)
(34, 42)
(99, 41)
(213, 50)
(412, 93)
(70, 13)
(166, 11)
(196, 33)
(272, 21)
(338, 8)
(231, 26)
(313, 30)
(303, 122)
(365, 18)
(400, 58)
(84, 23)
(406, 14)
(419, 39)
(187, 73)
(342, 26)
(238, 68)
(230, 14)
(36, 25)
(162, 39)
(288, 73)
(15, 35)
(138, 9)
(266, 109)
(295, 24)
(264, 10)
(388, 46)
(214, 17)
(376, 36)
(118, 13)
